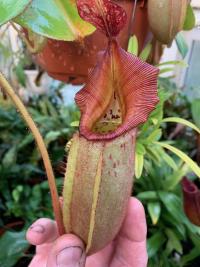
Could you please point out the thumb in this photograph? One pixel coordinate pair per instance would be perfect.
(68, 251)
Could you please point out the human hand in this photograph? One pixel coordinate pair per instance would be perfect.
(128, 249)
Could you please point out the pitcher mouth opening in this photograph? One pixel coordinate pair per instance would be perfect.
(120, 94)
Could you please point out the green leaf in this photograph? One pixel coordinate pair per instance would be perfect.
(154, 136)
(165, 70)
(154, 120)
(173, 62)
(157, 115)
(173, 179)
(195, 239)
(153, 154)
(173, 204)
(173, 242)
(195, 108)
(13, 245)
(51, 136)
(170, 220)
(169, 160)
(183, 156)
(26, 141)
(74, 124)
(21, 76)
(17, 192)
(146, 52)
(139, 164)
(11, 8)
(148, 195)
(52, 110)
(133, 45)
(189, 22)
(154, 210)
(140, 149)
(10, 157)
(181, 44)
(154, 243)
(57, 19)
(194, 253)
(183, 121)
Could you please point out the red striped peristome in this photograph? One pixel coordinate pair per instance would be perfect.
(120, 75)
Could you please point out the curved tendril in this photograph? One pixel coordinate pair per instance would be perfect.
(42, 148)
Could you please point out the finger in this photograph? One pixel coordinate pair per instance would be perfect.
(42, 231)
(101, 258)
(68, 251)
(131, 240)
(38, 261)
(134, 227)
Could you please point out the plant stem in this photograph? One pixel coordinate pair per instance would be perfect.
(42, 148)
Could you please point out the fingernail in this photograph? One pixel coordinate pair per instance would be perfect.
(70, 257)
(37, 228)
